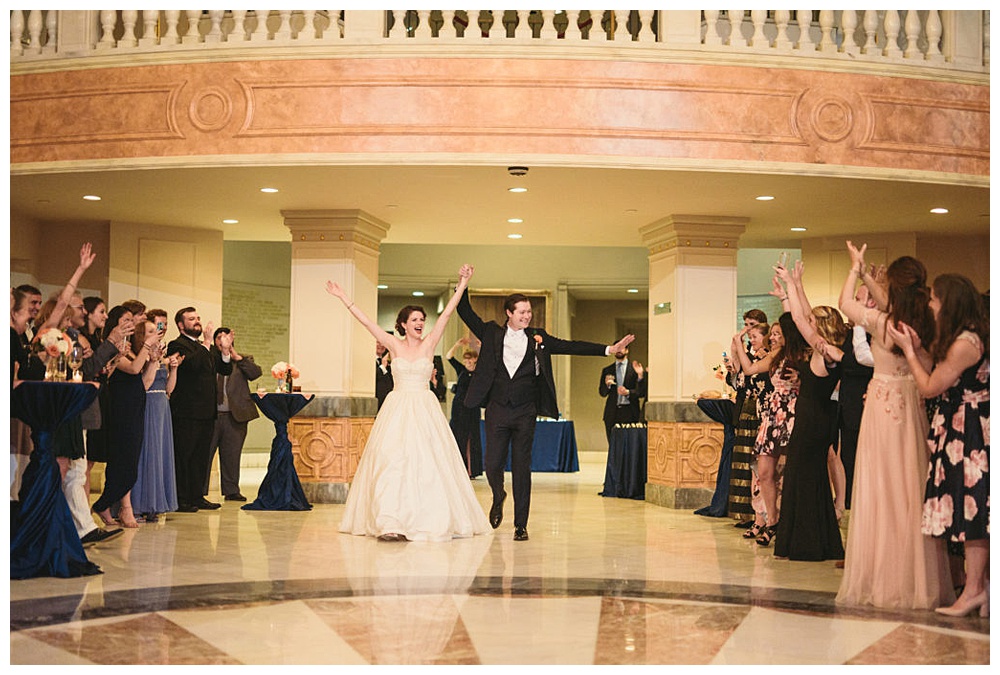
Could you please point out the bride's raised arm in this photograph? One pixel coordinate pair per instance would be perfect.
(464, 274)
(334, 289)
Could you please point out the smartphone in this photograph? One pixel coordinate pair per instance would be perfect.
(783, 259)
(161, 326)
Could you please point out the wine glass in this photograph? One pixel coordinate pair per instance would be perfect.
(75, 360)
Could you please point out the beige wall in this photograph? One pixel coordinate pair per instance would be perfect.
(46, 256)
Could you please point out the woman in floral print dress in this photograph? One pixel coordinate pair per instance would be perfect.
(957, 497)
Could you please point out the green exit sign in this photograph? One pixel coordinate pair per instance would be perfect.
(661, 308)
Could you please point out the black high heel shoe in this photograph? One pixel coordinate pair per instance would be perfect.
(754, 531)
(767, 535)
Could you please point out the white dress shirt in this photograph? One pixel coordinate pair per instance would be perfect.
(515, 344)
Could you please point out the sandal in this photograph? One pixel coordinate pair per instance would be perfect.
(754, 531)
(744, 524)
(767, 535)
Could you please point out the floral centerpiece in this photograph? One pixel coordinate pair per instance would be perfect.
(51, 344)
(284, 373)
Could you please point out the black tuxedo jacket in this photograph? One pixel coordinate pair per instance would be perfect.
(490, 362)
(636, 390)
(194, 395)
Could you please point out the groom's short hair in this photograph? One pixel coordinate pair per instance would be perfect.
(510, 303)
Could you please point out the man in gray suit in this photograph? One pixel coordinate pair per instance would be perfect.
(235, 410)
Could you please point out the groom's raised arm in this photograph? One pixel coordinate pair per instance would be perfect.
(469, 316)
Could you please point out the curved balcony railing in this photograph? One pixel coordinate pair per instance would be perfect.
(949, 40)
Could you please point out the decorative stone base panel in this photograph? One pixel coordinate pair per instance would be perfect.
(682, 463)
(326, 451)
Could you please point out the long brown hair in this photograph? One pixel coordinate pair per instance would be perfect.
(138, 337)
(909, 297)
(962, 309)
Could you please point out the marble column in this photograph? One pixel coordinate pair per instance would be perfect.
(332, 351)
(692, 317)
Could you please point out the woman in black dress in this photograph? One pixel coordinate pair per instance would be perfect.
(125, 420)
(465, 421)
(808, 528)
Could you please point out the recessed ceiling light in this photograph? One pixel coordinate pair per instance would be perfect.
(382, 287)
(764, 198)
(418, 294)
(633, 290)
(230, 221)
(798, 229)
(517, 189)
(631, 211)
(513, 235)
(515, 220)
(939, 210)
(92, 198)
(269, 189)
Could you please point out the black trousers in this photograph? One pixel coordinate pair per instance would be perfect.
(192, 439)
(513, 430)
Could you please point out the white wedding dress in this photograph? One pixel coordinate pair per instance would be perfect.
(410, 479)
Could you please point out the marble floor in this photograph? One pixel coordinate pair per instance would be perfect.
(601, 581)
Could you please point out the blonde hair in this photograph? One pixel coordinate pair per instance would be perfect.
(830, 325)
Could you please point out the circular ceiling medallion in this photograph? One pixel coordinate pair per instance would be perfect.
(211, 109)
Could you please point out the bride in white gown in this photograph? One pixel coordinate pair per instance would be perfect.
(410, 482)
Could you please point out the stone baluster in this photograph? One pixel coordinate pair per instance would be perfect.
(891, 26)
(573, 31)
(108, 19)
(848, 26)
(549, 31)
(621, 33)
(870, 24)
(16, 31)
(399, 31)
(758, 17)
(804, 19)
(781, 19)
(130, 17)
(170, 36)
(193, 35)
(736, 38)
(646, 32)
(448, 29)
(522, 29)
(149, 38)
(497, 30)
(712, 37)
(934, 31)
(912, 28)
(472, 30)
(283, 33)
(423, 30)
(51, 26)
(826, 22)
(34, 32)
(214, 34)
(239, 32)
(332, 31)
(308, 33)
(260, 31)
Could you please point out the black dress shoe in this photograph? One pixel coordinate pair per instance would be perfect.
(187, 508)
(98, 535)
(237, 497)
(520, 534)
(496, 511)
(205, 504)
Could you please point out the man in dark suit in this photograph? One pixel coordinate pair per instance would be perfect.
(622, 385)
(383, 373)
(193, 406)
(514, 382)
(234, 410)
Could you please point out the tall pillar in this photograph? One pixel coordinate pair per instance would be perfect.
(692, 305)
(332, 351)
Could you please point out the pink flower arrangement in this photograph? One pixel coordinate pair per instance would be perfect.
(53, 342)
(281, 369)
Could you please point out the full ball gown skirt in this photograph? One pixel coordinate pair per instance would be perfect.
(808, 527)
(410, 479)
(155, 490)
(889, 561)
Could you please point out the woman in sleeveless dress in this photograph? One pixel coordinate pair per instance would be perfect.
(410, 483)
(155, 489)
(889, 562)
(957, 496)
(808, 527)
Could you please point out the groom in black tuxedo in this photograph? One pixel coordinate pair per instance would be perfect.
(514, 382)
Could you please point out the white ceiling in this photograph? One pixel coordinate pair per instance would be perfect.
(471, 204)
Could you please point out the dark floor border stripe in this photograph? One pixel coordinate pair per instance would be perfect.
(50, 611)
